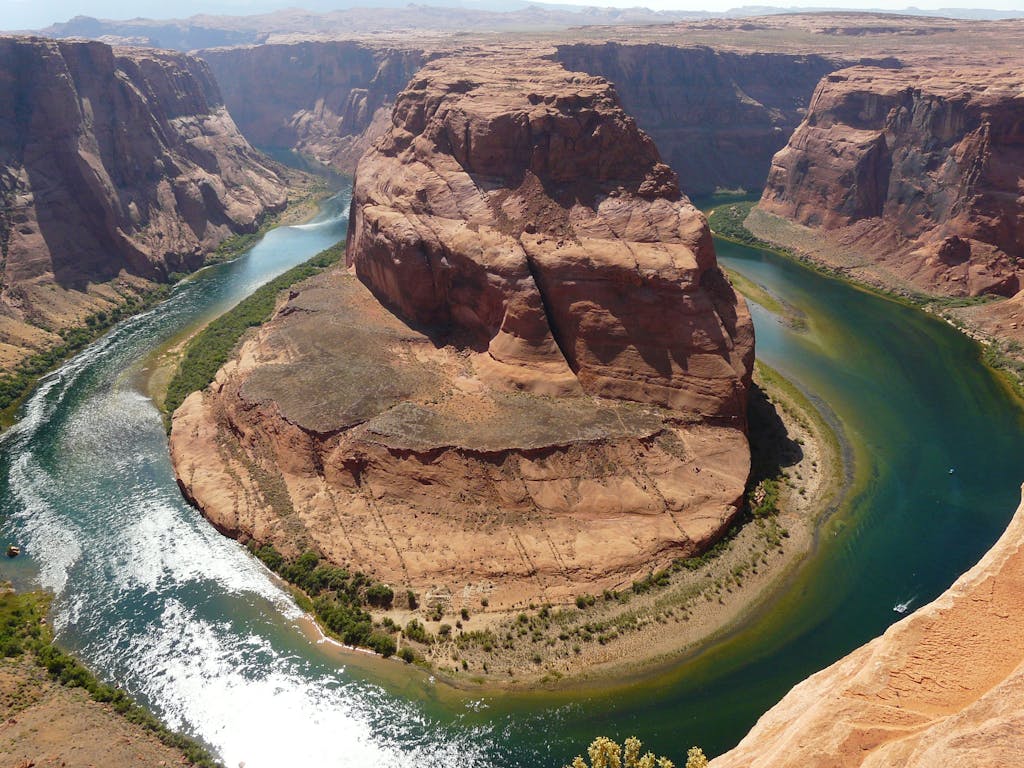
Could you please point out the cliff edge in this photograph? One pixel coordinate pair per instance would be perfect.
(910, 178)
(945, 686)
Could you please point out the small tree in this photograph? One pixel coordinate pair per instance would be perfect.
(695, 758)
(605, 753)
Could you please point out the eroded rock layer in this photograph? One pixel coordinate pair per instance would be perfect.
(717, 116)
(520, 204)
(553, 400)
(112, 161)
(329, 100)
(918, 170)
(944, 686)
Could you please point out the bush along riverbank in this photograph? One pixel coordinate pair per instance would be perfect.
(209, 349)
(27, 646)
(1005, 357)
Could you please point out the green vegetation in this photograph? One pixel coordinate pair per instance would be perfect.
(15, 385)
(605, 753)
(23, 632)
(338, 598)
(208, 350)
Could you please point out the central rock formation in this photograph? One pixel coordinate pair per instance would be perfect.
(529, 211)
(555, 403)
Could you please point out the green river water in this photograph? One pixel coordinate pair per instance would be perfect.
(157, 602)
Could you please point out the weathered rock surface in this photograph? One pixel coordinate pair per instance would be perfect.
(717, 116)
(330, 100)
(113, 162)
(918, 170)
(944, 686)
(520, 204)
(555, 402)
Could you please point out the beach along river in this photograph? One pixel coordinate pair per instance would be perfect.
(156, 601)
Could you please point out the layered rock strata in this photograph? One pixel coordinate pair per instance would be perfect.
(329, 100)
(114, 164)
(553, 399)
(910, 177)
(944, 686)
(717, 116)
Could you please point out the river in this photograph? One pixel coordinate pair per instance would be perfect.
(157, 602)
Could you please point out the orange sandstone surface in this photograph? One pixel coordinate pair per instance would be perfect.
(530, 383)
(945, 686)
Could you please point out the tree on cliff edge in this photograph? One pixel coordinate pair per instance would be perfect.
(605, 753)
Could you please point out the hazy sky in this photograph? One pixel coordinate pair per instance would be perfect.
(32, 14)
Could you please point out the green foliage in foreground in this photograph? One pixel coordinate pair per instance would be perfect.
(210, 348)
(23, 632)
(338, 597)
(605, 753)
(19, 382)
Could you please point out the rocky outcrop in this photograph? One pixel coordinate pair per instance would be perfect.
(917, 169)
(944, 686)
(521, 205)
(330, 100)
(717, 116)
(113, 162)
(555, 402)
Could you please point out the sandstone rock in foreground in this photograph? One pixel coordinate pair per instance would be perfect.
(114, 164)
(944, 686)
(916, 171)
(553, 401)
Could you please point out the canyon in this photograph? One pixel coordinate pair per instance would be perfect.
(534, 350)
(118, 167)
(497, 364)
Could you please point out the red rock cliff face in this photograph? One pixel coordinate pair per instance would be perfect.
(111, 161)
(326, 99)
(919, 169)
(517, 202)
(718, 117)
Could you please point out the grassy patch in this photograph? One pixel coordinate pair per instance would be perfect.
(23, 632)
(208, 350)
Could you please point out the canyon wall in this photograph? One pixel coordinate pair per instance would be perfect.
(910, 177)
(329, 100)
(530, 384)
(717, 116)
(113, 163)
(944, 686)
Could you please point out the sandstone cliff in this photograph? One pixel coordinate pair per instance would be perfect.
(913, 177)
(329, 100)
(555, 402)
(113, 162)
(944, 686)
(717, 116)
